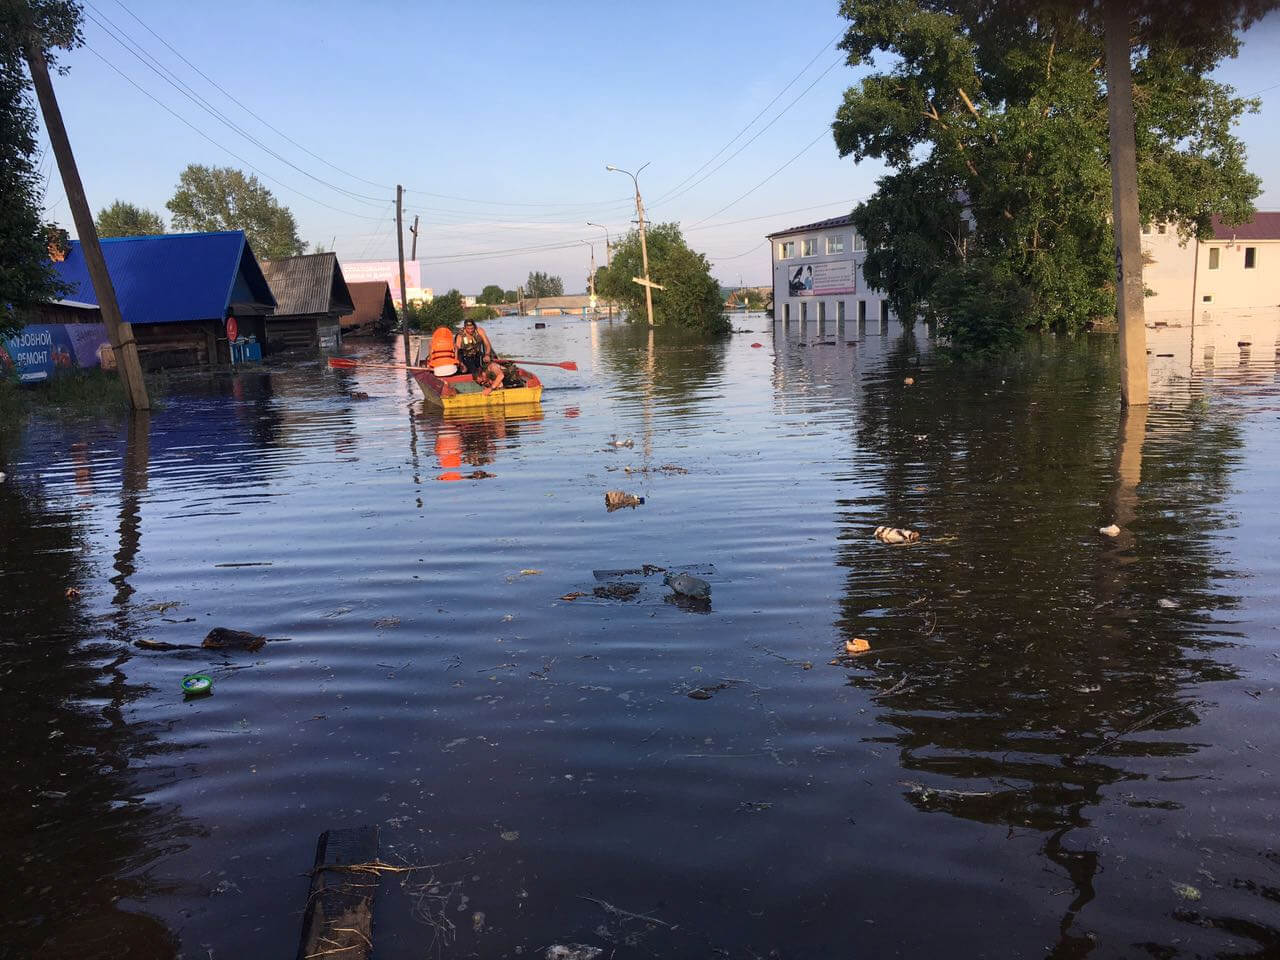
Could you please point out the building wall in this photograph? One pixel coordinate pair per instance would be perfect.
(805, 308)
(1180, 277)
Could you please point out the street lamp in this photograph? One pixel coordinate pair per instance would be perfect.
(644, 248)
(607, 260)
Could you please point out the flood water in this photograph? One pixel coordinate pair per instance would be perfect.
(1059, 745)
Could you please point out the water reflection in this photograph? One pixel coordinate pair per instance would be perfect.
(1020, 660)
(476, 438)
(82, 837)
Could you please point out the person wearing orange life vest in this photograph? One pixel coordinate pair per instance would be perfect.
(442, 358)
(475, 353)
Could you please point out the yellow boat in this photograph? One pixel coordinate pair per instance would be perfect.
(461, 392)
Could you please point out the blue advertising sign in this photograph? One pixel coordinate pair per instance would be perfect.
(43, 350)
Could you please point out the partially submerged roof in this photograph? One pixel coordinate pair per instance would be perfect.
(1265, 225)
(172, 277)
(372, 302)
(308, 284)
(843, 221)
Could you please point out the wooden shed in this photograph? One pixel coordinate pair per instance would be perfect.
(375, 311)
(311, 296)
(177, 290)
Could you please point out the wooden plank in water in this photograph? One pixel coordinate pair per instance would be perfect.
(338, 920)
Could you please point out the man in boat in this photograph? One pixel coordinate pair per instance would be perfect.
(475, 353)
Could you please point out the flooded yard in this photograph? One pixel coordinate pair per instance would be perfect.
(1059, 744)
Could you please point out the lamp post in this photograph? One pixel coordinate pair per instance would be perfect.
(644, 249)
(607, 260)
(591, 278)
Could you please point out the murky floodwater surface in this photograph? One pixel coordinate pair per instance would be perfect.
(1060, 744)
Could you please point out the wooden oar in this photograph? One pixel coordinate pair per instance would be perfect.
(348, 363)
(563, 364)
(351, 364)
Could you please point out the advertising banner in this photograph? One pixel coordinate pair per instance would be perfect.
(362, 271)
(42, 350)
(821, 279)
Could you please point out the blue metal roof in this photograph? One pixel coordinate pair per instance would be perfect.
(173, 277)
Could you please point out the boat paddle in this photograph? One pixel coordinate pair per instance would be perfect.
(348, 363)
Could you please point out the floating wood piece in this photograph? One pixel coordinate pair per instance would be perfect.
(338, 921)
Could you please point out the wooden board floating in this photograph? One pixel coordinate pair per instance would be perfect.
(338, 921)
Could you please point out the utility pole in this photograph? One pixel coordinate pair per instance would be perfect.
(404, 300)
(1130, 293)
(120, 333)
(591, 278)
(645, 282)
(608, 261)
(413, 253)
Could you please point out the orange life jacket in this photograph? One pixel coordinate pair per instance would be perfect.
(442, 351)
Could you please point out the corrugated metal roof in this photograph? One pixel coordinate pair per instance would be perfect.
(372, 301)
(308, 284)
(1265, 225)
(846, 220)
(171, 278)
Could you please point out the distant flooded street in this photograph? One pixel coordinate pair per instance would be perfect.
(1060, 744)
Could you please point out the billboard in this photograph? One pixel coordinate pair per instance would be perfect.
(821, 279)
(362, 271)
(41, 350)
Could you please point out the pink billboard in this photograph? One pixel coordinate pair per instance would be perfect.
(361, 271)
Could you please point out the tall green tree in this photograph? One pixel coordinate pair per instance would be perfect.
(998, 108)
(690, 296)
(123, 219)
(223, 198)
(26, 278)
(445, 310)
(542, 284)
(491, 294)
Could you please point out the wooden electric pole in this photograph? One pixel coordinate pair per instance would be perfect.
(649, 285)
(120, 333)
(413, 249)
(1130, 292)
(404, 299)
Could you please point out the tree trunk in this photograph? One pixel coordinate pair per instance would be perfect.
(1130, 291)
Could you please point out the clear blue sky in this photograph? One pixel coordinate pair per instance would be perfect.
(516, 104)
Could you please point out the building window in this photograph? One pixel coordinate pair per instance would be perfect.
(840, 311)
(859, 243)
(1214, 255)
(786, 250)
(1146, 230)
(1207, 298)
(786, 313)
(835, 244)
(822, 311)
(1250, 257)
(808, 248)
(862, 311)
(804, 312)
(1161, 229)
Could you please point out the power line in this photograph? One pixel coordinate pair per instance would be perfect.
(219, 145)
(739, 256)
(242, 105)
(781, 113)
(154, 65)
(767, 216)
(777, 96)
(803, 151)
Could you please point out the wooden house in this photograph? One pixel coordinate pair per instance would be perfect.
(177, 291)
(375, 311)
(311, 296)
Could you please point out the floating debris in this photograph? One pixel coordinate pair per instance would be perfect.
(480, 475)
(896, 535)
(688, 586)
(220, 638)
(573, 595)
(197, 685)
(856, 647)
(615, 442)
(383, 622)
(617, 499)
(909, 381)
(616, 591)
(1186, 891)
(1111, 531)
(572, 951)
(530, 573)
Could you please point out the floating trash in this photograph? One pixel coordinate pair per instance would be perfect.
(617, 499)
(1111, 531)
(197, 685)
(896, 535)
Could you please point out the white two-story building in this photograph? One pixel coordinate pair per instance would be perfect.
(817, 275)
